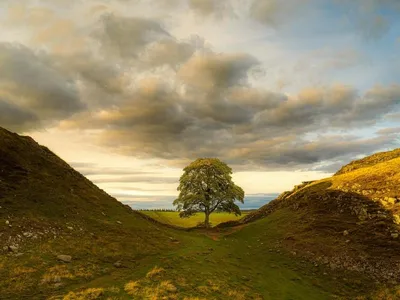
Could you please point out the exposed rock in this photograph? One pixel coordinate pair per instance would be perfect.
(13, 248)
(345, 233)
(64, 258)
(119, 222)
(362, 214)
(173, 240)
(395, 235)
(118, 264)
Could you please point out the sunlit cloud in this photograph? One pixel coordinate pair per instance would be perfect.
(140, 88)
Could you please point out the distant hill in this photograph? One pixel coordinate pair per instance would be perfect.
(165, 202)
(349, 221)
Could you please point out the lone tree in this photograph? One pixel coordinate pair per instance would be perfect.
(206, 186)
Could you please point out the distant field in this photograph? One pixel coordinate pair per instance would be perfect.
(172, 217)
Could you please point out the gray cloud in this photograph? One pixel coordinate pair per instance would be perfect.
(125, 37)
(90, 169)
(16, 118)
(274, 12)
(335, 107)
(389, 131)
(214, 71)
(135, 179)
(245, 126)
(211, 7)
(135, 188)
(300, 152)
(111, 171)
(33, 89)
(149, 94)
(167, 52)
(80, 165)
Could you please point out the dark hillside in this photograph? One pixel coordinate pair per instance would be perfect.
(48, 209)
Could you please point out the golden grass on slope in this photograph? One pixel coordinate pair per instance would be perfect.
(369, 161)
(380, 182)
(347, 221)
(56, 274)
(132, 287)
(154, 273)
(88, 294)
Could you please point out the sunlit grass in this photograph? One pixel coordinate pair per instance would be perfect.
(172, 218)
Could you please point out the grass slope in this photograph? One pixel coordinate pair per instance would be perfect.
(48, 209)
(349, 221)
(172, 218)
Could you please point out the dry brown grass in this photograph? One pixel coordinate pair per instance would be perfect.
(20, 270)
(56, 274)
(132, 288)
(155, 273)
(235, 295)
(88, 294)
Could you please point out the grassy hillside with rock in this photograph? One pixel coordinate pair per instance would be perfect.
(349, 221)
(61, 237)
(51, 215)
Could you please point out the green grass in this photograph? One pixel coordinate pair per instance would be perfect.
(240, 263)
(172, 218)
(42, 195)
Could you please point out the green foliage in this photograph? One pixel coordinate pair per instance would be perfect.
(206, 186)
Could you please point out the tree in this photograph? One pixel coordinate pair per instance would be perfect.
(206, 186)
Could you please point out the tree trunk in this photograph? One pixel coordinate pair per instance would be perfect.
(207, 220)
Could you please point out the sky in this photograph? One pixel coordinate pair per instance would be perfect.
(130, 91)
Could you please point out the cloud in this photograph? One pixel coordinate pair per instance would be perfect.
(110, 171)
(388, 131)
(243, 125)
(33, 89)
(16, 118)
(211, 7)
(212, 71)
(136, 179)
(370, 17)
(136, 189)
(336, 107)
(101, 82)
(274, 12)
(140, 90)
(125, 37)
(167, 52)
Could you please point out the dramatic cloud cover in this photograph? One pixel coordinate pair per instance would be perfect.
(130, 91)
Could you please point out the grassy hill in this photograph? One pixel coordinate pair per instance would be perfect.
(61, 237)
(349, 221)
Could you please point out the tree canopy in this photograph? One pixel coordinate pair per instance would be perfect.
(206, 186)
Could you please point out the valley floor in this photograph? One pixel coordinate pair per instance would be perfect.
(172, 218)
(239, 263)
